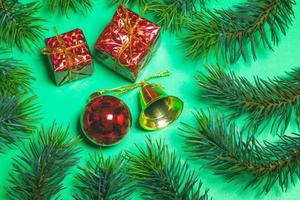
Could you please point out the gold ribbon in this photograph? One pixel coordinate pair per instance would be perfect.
(70, 56)
(127, 88)
(130, 30)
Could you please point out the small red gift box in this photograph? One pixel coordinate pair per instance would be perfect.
(127, 43)
(69, 56)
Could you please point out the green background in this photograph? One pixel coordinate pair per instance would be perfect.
(64, 104)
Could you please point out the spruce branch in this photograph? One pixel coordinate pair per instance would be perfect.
(162, 175)
(103, 179)
(18, 25)
(266, 102)
(17, 117)
(169, 14)
(64, 6)
(41, 167)
(18, 111)
(226, 152)
(233, 33)
(14, 76)
(130, 3)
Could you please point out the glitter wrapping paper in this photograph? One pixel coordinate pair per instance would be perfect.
(127, 43)
(69, 56)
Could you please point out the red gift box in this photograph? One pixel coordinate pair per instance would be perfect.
(127, 43)
(69, 56)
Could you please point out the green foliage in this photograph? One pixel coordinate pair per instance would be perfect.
(267, 102)
(18, 25)
(169, 14)
(41, 167)
(227, 154)
(130, 2)
(162, 175)
(64, 6)
(18, 112)
(230, 34)
(103, 179)
(17, 117)
(14, 76)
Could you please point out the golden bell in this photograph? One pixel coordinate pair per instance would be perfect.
(158, 109)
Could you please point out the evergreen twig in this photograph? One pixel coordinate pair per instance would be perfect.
(172, 14)
(17, 117)
(228, 155)
(18, 112)
(64, 6)
(162, 175)
(169, 14)
(229, 34)
(18, 25)
(42, 166)
(103, 179)
(130, 2)
(14, 76)
(267, 102)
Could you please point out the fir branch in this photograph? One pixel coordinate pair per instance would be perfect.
(42, 166)
(103, 179)
(18, 112)
(162, 175)
(64, 6)
(18, 25)
(229, 34)
(17, 117)
(228, 155)
(130, 3)
(14, 76)
(169, 14)
(267, 102)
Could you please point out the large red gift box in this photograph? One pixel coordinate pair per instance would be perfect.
(127, 43)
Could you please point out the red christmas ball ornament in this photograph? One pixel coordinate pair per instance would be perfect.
(106, 120)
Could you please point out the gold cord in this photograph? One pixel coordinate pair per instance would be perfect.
(127, 88)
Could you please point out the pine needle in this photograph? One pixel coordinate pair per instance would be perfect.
(130, 3)
(18, 110)
(171, 15)
(228, 155)
(64, 6)
(168, 14)
(17, 117)
(162, 175)
(18, 25)
(15, 77)
(103, 179)
(267, 102)
(38, 172)
(231, 34)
